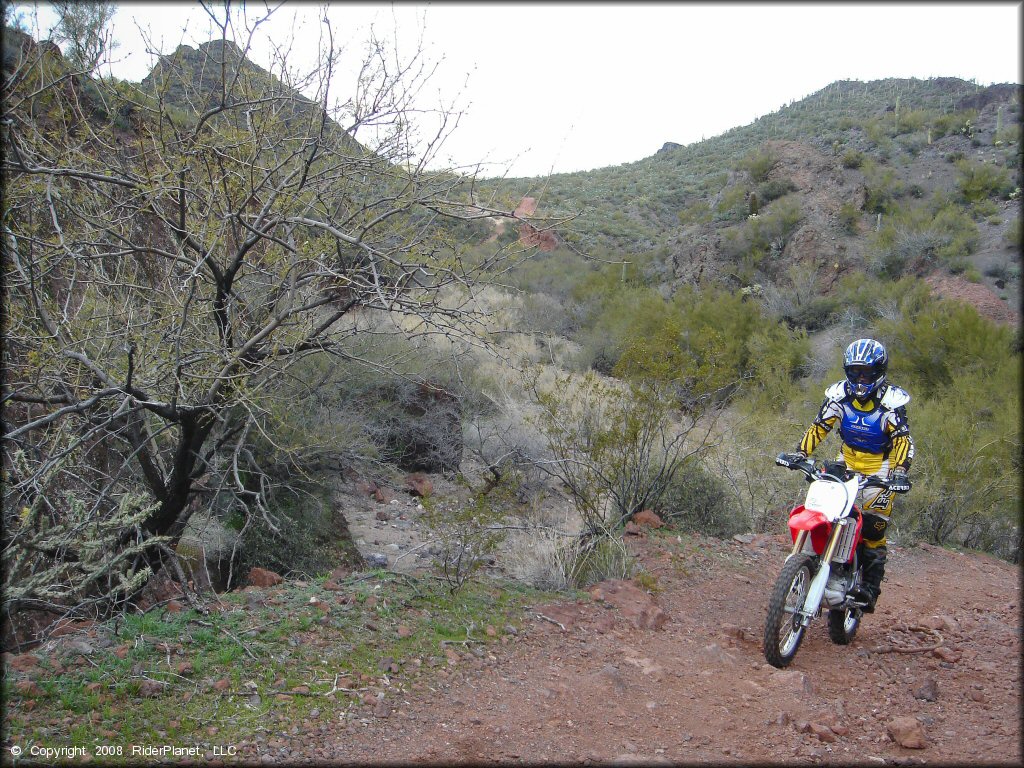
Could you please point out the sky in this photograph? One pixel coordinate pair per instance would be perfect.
(561, 87)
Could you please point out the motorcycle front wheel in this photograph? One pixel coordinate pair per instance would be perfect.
(783, 631)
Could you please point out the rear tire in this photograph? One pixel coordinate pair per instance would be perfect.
(783, 632)
(842, 625)
(843, 622)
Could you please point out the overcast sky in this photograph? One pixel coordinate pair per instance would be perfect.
(578, 86)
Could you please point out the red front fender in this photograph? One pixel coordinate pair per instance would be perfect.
(802, 519)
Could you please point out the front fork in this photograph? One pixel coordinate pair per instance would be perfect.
(812, 603)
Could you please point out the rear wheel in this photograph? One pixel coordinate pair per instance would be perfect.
(842, 624)
(783, 631)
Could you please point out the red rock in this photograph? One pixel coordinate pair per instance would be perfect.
(419, 484)
(632, 529)
(23, 662)
(175, 607)
(261, 577)
(222, 685)
(67, 627)
(150, 689)
(27, 688)
(823, 732)
(383, 496)
(907, 732)
(648, 519)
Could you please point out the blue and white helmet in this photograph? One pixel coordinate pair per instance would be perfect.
(865, 363)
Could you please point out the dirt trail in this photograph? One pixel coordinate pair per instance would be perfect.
(585, 685)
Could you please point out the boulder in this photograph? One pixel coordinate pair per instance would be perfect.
(648, 519)
(907, 732)
(418, 484)
(261, 577)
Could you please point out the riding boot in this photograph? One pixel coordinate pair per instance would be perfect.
(873, 570)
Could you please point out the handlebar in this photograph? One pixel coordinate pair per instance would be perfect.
(826, 472)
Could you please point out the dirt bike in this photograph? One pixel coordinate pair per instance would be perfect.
(822, 571)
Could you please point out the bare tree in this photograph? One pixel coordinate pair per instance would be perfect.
(169, 251)
(616, 447)
(84, 28)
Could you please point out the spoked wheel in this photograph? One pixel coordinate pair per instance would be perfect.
(842, 624)
(783, 631)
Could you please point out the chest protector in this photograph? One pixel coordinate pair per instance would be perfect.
(864, 430)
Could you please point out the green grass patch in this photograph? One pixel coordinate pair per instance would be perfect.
(227, 676)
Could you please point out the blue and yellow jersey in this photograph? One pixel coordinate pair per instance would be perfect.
(875, 434)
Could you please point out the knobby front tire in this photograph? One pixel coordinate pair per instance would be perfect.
(783, 632)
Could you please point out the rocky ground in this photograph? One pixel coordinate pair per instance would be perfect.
(678, 676)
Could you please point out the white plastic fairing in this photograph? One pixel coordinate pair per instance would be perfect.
(831, 499)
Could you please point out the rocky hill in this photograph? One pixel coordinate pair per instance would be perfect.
(686, 204)
(838, 158)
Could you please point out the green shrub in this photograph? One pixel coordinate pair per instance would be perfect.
(913, 143)
(953, 123)
(967, 490)
(699, 501)
(943, 339)
(732, 204)
(1008, 135)
(849, 217)
(764, 236)
(869, 296)
(759, 163)
(695, 213)
(911, 121)
(1013, 235)
(985, 209)
(617, 318)
(596, 561)
(940, 231)
(883, 188)
(877, 132)
(307, 542)
(772, 190)
(814, 315)
(852, 159)
(982, 180)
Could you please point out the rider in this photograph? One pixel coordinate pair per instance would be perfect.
(872, 419)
